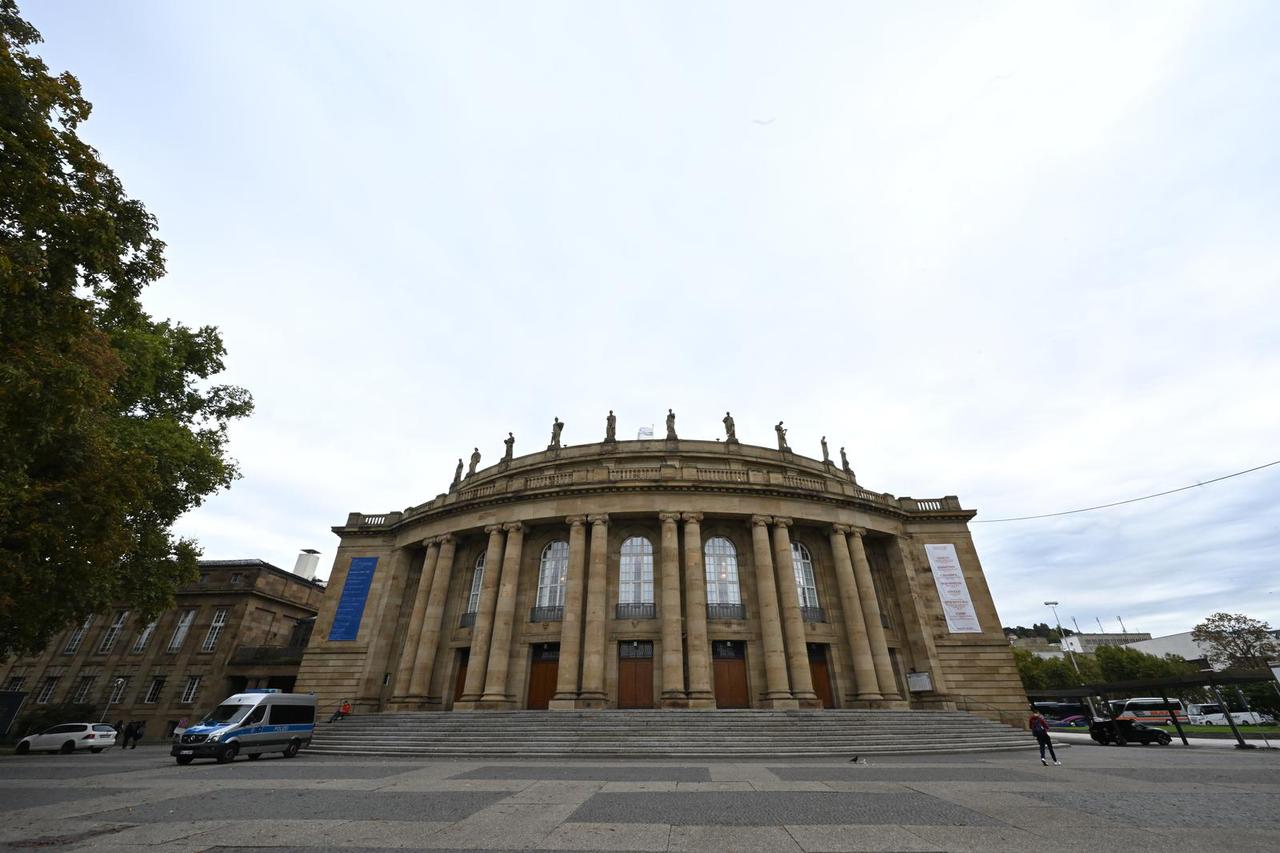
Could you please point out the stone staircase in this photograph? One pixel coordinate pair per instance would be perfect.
(666, 734)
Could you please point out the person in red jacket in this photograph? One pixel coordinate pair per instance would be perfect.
(1040, 728)
(343, 710)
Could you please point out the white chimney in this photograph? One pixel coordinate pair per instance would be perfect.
(306, 565)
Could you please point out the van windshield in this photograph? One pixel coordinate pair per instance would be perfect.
(226, 714)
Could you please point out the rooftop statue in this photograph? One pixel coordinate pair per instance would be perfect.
(826, 455)
(671, 425)
(475, 460)
(844, 463)
(457, 476)
(556, 427)
(782, 438)
(510, 442)
(611, 427)
(730, 432)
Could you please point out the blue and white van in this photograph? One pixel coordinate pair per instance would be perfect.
(253, 722)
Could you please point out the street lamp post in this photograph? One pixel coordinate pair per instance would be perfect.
(114, 684)
(1053, 605)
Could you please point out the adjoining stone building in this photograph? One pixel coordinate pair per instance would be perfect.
(243, 624)
(661, 573)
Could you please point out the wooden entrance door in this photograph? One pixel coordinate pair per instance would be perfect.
(729, 672)
(821, 675)
(460, 682)
(543, 667)
(635, 674)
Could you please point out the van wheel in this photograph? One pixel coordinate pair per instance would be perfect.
(23, 748)
(184, 760)
(228, 755)
(254, 756)
(292, 749)
(68, 747)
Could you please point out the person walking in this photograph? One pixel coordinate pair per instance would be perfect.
(343, 710)
(1040, 728)
(138, 729)
(128, 735)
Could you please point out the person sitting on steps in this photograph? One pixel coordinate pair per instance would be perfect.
(343, 710)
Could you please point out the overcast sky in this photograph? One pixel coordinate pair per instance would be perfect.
(1022, 253)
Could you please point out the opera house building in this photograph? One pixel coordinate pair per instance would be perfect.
(661, 573)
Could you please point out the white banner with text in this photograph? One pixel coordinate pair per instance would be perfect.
(957, 606)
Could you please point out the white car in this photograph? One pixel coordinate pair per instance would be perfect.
(69, 737)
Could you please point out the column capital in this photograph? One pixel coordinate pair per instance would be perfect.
(430, 542)
(601, 519)
(576, 520)
(493, 528)
(761, 520)
(857, 531)
(665, 517)
(692, 517)
(445, 538)
(513, 526)
(842, 529)
(779, 521)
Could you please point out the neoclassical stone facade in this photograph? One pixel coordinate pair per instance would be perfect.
(657, 573)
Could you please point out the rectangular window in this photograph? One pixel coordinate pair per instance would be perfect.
(15, 682)
(181, 629)
(215, 629)
(118, 684)
(77, 637)
(83, 687)
(189, 692)
(285, 715)
(154, 690)
(144, 637)
(236, 578)
(477, 583)
(46, 690)
(113, 632)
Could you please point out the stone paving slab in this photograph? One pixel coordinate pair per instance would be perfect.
(238, 804)
(732, 839)
(27, 797)
(609, 836)
(860, 773)
(863, 838)
(755, 808)
(591, 773)
(1203, 776)
(1173, 808)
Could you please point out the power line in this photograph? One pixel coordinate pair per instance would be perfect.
(1129, 501)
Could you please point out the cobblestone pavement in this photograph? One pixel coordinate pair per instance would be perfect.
(1133, 799)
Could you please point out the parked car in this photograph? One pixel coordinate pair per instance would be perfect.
(1073, 721)
(1104, 732)
(69, 737)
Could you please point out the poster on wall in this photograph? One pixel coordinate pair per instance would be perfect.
(953, 592)
(346, 619)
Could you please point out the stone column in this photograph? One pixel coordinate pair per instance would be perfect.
(430, 642)
(871, 616)
(919, 630)
(673, 695)
(864, 668)
(566, 696)
(792, 621)
(495, 683)
(482, 629)
(777, 693)
(409, 652)
(592, 694)
(695, 594)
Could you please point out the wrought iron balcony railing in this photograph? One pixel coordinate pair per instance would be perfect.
(637, 611)
(467, 620)
(546, 614)
(813, 614)
(726, 611)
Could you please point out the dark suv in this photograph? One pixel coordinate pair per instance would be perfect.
(1104, 732)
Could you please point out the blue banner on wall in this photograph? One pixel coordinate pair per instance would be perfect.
(346, 621)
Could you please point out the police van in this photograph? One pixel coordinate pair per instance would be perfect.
(252, 723)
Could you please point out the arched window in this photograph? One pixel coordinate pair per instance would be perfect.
(551, 576)
(477, 581)
(724, 596)
(805, 584)
(635, 579)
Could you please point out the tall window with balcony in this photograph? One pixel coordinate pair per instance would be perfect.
(551, 576)
(806, 586)
(180, 630)
(77, 636)
(635, 579)
(724, 595)
(215, 630)
(112, 633)
(473, 597)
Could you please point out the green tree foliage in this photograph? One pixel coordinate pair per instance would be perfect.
(1120, 664)
(1235, 640)
(1039, 629)
(1039, 673)
(109, 426)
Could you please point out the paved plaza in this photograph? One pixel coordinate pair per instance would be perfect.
(1132, 799)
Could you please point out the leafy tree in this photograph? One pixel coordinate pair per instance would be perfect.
(1233, 639)
(109, 426)
(1120, 664)
(1039, 673)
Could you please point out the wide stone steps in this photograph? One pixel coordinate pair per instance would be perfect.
(665, 734)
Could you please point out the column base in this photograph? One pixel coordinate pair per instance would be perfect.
(893, 704)
(591, 703)
(496, 703)
(869, 697)
(780, 704)
(702, 702)
(673, 699)
(567, 702)
(465, 704)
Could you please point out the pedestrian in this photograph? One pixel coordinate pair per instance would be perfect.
(343, 710)
(1040, 728)
(127, 735)
(119, 727)
(182, 726)
(138, 732)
